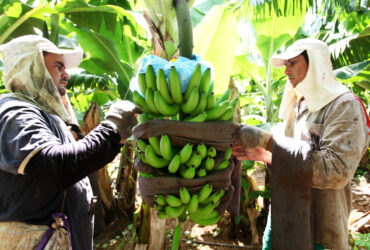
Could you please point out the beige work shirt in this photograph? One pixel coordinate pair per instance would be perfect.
(339, 135)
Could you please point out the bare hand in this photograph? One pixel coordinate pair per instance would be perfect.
(253, 154)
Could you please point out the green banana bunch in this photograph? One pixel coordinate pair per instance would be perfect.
(204, 210)
(163, 87)
(194, 81)
(165, 147)
(175, 86)
(154, 160)
(184, 195)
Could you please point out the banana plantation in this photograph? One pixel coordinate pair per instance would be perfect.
(197, 69)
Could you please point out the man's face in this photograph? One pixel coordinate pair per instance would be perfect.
(55, 65)
(296, 69)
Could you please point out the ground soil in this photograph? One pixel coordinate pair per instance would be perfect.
(222, 236)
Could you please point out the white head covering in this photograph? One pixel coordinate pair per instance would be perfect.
(319, 87)
(26, 76)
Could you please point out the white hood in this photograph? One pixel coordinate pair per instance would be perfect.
(319, 87)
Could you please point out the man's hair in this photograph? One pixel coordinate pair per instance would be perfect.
(305, 55)
(45, 53)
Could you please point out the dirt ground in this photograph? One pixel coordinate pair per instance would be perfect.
(222, 236)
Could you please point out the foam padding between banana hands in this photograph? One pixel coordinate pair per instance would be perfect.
(218, 134)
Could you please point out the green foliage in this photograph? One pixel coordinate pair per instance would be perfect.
(362, 240)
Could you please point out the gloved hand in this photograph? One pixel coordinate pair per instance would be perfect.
(121, 116)
(251, 137)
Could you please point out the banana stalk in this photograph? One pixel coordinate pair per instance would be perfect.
(185, 28)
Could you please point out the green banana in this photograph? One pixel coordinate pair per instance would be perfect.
(205, 191)
(193, 203)
(162, 215)
(211, 100)
(149, 98)
(139, 100)
(158, 207)
(183, 216)
(142, 144)
(225, 96)
(191, 102)
(143, 117)
(211, 219)
(204, 210)
(173, 201)
(150, 78)
(202, 150)
(165, 147)
(194, 81)
(174, 212)
(201, 172)
(209, 163)
(202, 104)
(163, 87)
(194, 160)
(198, 118)
(146, 175)
(154, 142)
(160, 200)
(163, 107)
(224, 164)
(214, 197)
(205, 81)
(184, 195)
(228, 152)
(174, 164)
(175, 86)
(210, 89)
(217, 111)
(187, 173)
(154, 160)
(185, 153)
(211, 152)
(227, 115)
(142, 158)
(142, 82)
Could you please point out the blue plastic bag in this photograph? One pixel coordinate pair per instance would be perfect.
(184, 67)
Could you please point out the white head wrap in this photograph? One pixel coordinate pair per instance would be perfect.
(26, 77)
(319, 87)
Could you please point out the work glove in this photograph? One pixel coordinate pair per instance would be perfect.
(251, 137)
(122, 117)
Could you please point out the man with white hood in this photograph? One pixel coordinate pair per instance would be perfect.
(313, 161)
(42, 168)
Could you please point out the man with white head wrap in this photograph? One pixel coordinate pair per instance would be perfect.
(42, 168)
(312, 163)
